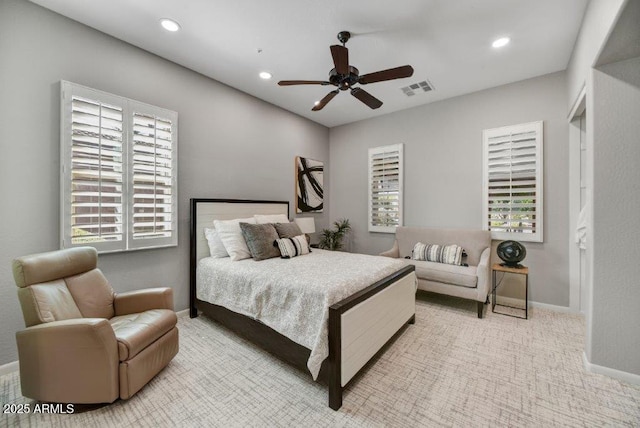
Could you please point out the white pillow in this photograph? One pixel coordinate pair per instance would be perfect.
(231, 236)
(216, 247)
(271, 218)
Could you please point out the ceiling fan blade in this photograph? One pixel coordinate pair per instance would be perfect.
(340, 56)
(303, 82)
(366, 98)
(323, 102)
(390, 74)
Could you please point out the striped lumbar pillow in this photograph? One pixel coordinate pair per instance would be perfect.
(292, 247)
(449, 254)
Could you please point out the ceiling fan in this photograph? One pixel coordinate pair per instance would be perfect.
(345, 76)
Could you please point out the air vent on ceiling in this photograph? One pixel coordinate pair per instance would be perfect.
(411, 90)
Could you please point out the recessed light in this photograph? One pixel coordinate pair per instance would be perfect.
(265, 75)
(503, 41)
(169, 24)
(316, 103)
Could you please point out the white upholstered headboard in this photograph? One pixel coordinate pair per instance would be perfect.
(204, 211)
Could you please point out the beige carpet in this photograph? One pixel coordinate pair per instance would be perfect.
(449, 369)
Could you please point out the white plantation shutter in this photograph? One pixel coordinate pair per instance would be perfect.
(512, 176)
(154, 174)
(385, 188)
(96, 172)
(118, 182)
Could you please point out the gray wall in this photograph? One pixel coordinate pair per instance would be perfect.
(613, 103)
(231, 145)
(615, 335)
(443, 170)
(598, 20)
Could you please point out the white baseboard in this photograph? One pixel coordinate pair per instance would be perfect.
(510, 301)
(631, 378)
(182, 312)
(9, 368)
(555, 308)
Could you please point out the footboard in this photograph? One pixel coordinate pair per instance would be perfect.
(360, 325)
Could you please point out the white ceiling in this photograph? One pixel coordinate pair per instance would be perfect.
(448, 42)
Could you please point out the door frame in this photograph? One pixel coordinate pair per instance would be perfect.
(574, 119)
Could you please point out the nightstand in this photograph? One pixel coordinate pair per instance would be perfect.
(497, 267)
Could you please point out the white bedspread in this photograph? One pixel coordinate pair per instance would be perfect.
(292, 296)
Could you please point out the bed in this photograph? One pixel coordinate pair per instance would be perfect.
(328, 324)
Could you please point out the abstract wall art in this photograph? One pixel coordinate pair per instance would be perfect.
(309, 185)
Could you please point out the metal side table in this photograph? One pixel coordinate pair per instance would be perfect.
(497, 267)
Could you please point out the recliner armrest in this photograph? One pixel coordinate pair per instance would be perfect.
(394, 252)
(69, 361)
(137, 301)
(97, 329)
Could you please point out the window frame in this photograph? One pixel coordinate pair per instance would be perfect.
(538, 128)
(400, 214)
(68, 90)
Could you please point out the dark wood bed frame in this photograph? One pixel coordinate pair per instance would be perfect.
(274, 342)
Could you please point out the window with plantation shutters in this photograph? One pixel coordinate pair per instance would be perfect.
(512, 178)
(385, 188)
(118, 182)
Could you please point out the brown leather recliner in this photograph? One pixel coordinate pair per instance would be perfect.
(83, 342)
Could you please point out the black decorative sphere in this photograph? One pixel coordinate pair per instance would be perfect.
(511, 253)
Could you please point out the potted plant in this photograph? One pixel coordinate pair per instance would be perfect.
(331, 239)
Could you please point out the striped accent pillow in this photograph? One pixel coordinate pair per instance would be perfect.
(292, 247)
(448, 254)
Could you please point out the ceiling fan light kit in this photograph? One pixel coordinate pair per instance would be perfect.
(345, 76)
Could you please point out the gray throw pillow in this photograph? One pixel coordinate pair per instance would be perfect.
(288, 230)
(448, 254)
(260, 239)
